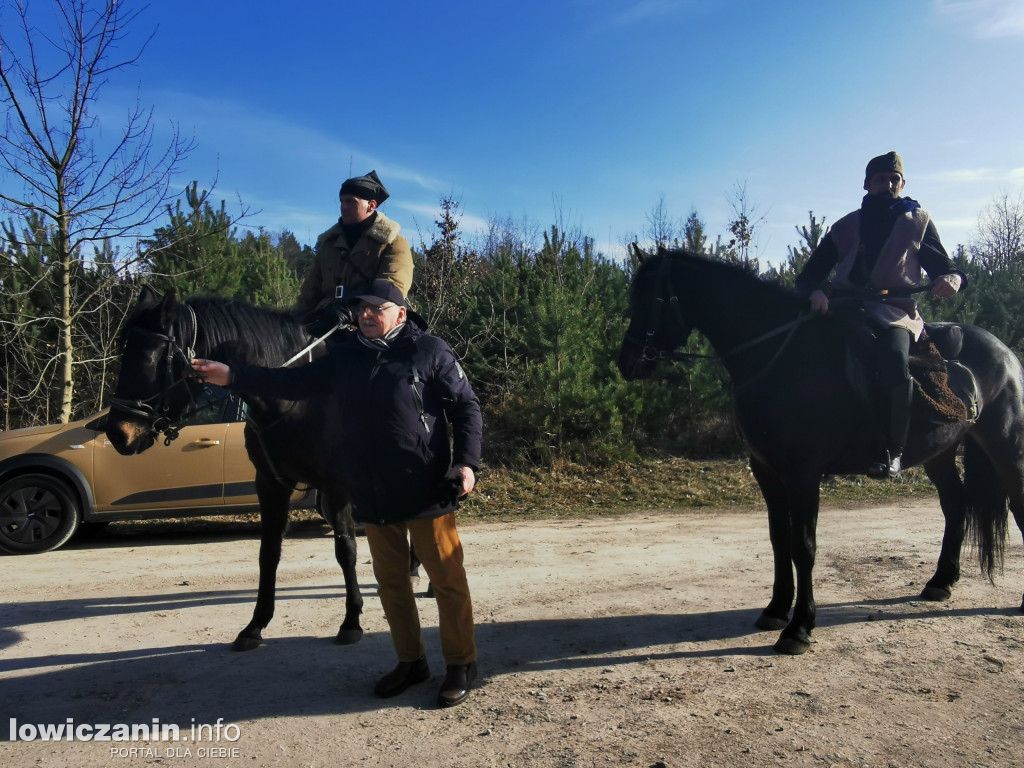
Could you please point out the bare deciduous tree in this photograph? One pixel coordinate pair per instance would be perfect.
(999, 240)
(662, 229)
(744, 227)
(87, 188)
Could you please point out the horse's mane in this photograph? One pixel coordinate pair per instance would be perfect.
(223, 329)
(743, 282)
(255, 335)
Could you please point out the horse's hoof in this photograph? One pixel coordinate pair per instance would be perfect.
(791, 646)
(348, 636)
(936, 594)
(768, 622)
(246, 643)
(1022, 606)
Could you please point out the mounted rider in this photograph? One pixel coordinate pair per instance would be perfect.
(880, 252)
(365, 245)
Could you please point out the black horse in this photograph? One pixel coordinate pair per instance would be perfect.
(289, 443)
(802, 416)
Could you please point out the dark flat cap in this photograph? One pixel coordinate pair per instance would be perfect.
(381, 292)
(366, 187)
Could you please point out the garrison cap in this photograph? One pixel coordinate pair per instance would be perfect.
(890, 162)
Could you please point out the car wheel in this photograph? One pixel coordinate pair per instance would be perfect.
(37, 513)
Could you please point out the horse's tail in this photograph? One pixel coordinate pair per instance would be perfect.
(986, 507)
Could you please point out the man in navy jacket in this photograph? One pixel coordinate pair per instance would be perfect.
(405, 474)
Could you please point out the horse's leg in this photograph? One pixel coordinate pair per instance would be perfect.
(414, 570)
(803, 511)
(1017, 507)
(776, 615)
(998, 433)
(339, 512)
(273, 522)
(1008, 461)
(414, 563)
(1012, 475)
(943, 472)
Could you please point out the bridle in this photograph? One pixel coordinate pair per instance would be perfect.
(155, 410)
(651, 352)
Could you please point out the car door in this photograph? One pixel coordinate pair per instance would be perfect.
(239, 473)
(187, 475)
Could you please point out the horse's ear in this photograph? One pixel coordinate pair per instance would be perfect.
(639, 254)
(148, 296)
(168, 308)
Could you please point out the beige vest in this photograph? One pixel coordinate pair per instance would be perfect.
(897, 266)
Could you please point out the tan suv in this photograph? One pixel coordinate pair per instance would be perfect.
(59, 478)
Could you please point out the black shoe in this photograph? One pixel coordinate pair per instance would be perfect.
(887, 467)
(456, 685)
(401, 677)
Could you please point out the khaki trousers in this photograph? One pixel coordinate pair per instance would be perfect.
(439, 549)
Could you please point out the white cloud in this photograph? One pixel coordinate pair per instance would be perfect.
(426, 214)
(981, 176)
(238, 130)
(985, 18)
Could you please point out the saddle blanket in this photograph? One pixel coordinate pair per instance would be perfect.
(934, 381)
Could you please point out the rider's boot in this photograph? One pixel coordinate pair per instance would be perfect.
(896, 405)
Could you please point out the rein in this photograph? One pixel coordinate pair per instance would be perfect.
(650, 351)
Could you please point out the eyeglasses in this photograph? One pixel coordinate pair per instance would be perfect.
(376, 310)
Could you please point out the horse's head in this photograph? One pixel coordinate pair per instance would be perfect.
(657, 324)
(154, 386)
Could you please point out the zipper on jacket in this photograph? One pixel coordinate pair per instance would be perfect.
(419, 397)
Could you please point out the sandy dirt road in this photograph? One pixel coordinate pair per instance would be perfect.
(615, 641)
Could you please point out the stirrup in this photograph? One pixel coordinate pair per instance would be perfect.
(886, 468)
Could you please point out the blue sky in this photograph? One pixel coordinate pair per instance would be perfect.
(587, 112)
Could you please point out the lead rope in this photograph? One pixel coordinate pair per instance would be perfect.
(309, 350)
(257, 430)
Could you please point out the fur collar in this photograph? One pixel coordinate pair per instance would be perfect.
(383, 230)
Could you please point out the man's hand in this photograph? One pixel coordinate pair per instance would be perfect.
(465, 476)
(212, 371)
(819, 302)
(946, 286)
(334, 315)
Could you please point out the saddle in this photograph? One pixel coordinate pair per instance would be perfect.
(945, 390)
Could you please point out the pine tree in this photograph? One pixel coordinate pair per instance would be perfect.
(810, 235)
(443, 278)
(197, 251)
(694, 239)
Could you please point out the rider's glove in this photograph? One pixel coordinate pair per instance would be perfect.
(332, 316)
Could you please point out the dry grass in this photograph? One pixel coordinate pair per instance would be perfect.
(573, 490)
(664, 483)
